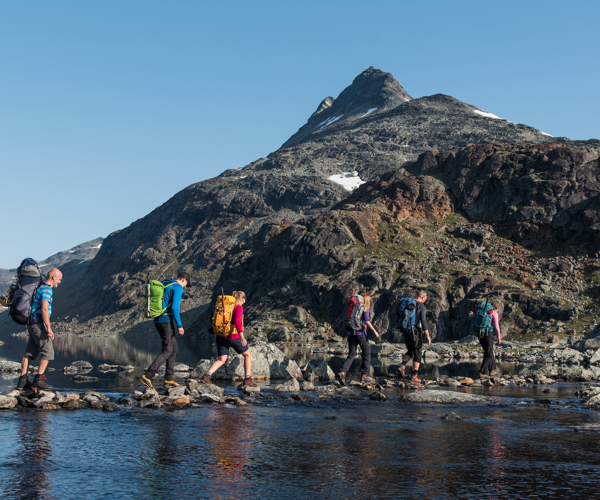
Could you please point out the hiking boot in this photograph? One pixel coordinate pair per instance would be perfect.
(483, 375)
(366, 379)
(206, 379)
(342, 378)
(39, 382)
(415, 378)
(248, 383)
(24, 382)
(146, 381)
(171, 383)
(493, 373)
(402, 371)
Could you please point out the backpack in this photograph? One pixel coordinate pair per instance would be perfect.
(29, 278)
(353, 319)
(154, 294)
(481, 324)
(406, 313)
(221, 318)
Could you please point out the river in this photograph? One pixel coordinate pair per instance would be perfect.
(324, 448)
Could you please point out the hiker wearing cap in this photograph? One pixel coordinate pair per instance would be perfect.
(40, 334)
(414, 343)
(233, 340)
(167, 325)
(488, 366)
(359, 338)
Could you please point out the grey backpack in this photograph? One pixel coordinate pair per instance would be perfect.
(353, 319)
(29, 278)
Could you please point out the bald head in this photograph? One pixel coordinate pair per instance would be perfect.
(54, 277)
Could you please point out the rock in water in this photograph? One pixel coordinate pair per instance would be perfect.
(318, 370)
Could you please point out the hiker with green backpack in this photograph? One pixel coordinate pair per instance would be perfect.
(163, 301)
(484, 322)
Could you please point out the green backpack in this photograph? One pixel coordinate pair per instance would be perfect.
(154, 293)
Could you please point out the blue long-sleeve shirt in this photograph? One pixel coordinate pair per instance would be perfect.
(172, 301)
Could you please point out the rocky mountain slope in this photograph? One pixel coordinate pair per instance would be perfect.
(456, 200)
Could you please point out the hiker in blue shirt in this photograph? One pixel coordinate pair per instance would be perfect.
(41, 334)
(167, 324)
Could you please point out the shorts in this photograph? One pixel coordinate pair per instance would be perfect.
(223, 346)
(39, 343)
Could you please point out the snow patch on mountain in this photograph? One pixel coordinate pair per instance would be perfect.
(487, 115)
(328, 122)
(350, 180)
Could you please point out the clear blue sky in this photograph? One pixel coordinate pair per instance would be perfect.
(109, 108)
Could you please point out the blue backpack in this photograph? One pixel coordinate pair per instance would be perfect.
(481, 324)
(406, 313)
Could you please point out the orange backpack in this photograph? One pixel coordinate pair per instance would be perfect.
(221, 318)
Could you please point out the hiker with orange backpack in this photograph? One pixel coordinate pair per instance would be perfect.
(228, 326)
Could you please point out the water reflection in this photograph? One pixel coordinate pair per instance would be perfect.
(34, 454)
(229, 441)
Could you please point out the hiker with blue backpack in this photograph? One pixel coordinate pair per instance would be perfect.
(163, 304)
(356, 321)
(412, 322)
(484, 322)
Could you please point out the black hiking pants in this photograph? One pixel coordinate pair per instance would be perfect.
(489, 362)
(353, 342)
(414, 346)
(169, 350)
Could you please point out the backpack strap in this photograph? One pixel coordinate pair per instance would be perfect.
(170, 303)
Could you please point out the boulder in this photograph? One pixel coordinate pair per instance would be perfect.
(78, 367)
(291, 385)
(307, 386)
(212, 389)
(378, 396)
(448, 397)
(318, 370)
(10, 366)
(268, 362)
(7, 402)
(71, 404)
(176, 392)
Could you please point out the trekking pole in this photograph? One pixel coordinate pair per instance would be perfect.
(224, 315)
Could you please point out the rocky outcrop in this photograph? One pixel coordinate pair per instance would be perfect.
(268, 362)
(536, 193)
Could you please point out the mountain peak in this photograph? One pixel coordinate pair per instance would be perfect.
(370, 91)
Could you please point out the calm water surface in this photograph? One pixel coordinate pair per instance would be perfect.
(389, 450)
(335, 449)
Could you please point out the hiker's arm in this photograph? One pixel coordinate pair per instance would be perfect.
(428, 337)
(46, 318)
(177, 294)
(236, 319)
(496, 325)
(368, 323)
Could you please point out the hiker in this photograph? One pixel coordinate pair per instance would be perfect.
(40, 334)
(488, 366)
(167, 325)
(356, 338)
(236, 341)
(413, 339)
